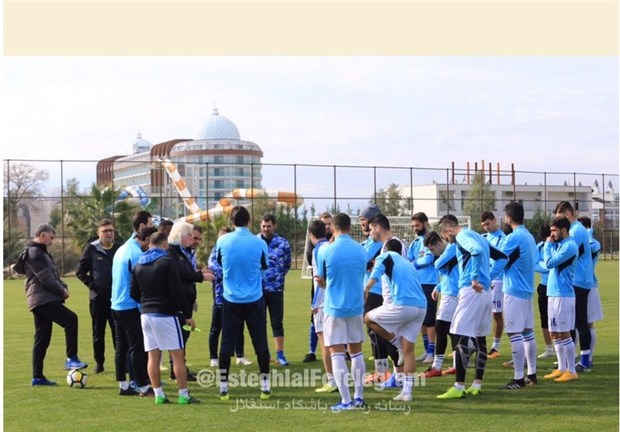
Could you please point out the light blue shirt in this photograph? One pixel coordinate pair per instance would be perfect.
(423, 260)
(497, 239)
(448, 267)
(561, 260)
(540, 264)
(124, 261)
(402, 277)
(473, 254)
(520, 247)
(243, 257)
(583, 273)
(373, 249)
(343, 266)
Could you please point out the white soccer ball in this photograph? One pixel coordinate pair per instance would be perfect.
(77, 378)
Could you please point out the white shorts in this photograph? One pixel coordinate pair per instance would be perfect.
(518, 314)
(319, 321)
(472, 316)
(498, 295)
(561, 312)
(161, 332)
(447, 306)
(340, 331)
(595, 309)
(405, 321)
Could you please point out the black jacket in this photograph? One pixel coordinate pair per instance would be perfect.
(189, 276)
(94, 269)
(157, 287)
(43, 284)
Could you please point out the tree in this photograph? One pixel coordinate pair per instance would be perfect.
(480, 198)
(23, 184)
(533, 225)
(389, 200)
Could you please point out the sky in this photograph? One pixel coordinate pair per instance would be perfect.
(540, 113)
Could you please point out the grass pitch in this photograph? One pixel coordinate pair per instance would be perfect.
(591, 403)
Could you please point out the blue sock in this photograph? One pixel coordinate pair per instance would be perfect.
(585, 359)
(314, 339)
(431, 348)
(425, 340)
(280, 354)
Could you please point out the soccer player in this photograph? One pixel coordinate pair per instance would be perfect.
(94, 269)
(125, 312)
(471, 317)
(400, 317)
(374, 299)
(520, 248)
(326, 218)
(273, 281)
(156, 285)
(582, 281)
(317, 235)
(423, 261)
(561, 255)
(380, 232)
(243, 257)
(497, 238)
(341, 270)
(446, 264)
(595, 309)
(543, 233)
(216, 311)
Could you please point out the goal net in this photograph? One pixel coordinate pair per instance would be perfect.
(399, 225)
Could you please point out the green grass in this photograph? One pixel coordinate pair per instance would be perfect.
(588, 404)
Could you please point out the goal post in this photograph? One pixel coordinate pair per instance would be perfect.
(399, 225)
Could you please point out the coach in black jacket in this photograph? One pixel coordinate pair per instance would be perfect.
(179, 242)
(94, 269)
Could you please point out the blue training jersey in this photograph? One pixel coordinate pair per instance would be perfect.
(402, 278)
(243, 257)
(448, 267)
(124, 261)
(520, 247)
(561, 260)
(373, 249)
(474, 254)
(583, 273)
(595, 249)
(423, 261)
(319, 292)
(540, 264)
(342, 265)
(496, 239)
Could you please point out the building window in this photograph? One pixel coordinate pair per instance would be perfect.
(239, 159)
(239, 171)
(238, 183)
(218, 172)
(218, 159)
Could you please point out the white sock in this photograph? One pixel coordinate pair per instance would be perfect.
(592, 343)
(145, 388)
(123, 385)
(459, 387)
(341, 374)
(569, 354)
(496, 342)
(381, 366)
(559, 353)
(438, 362)
(408, 385)
(224, 387)
(183, 392)
(400, 377)
(265, 383)
(159, 391)
(518, 355)
(358, 369)
(529, 342)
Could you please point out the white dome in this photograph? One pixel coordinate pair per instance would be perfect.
(141, 145)
(217, 127)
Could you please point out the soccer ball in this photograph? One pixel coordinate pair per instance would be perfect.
(77, 378)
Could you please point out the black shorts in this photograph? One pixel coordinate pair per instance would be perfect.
(431, 306)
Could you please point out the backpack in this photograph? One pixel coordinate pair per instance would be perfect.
(19, 266)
